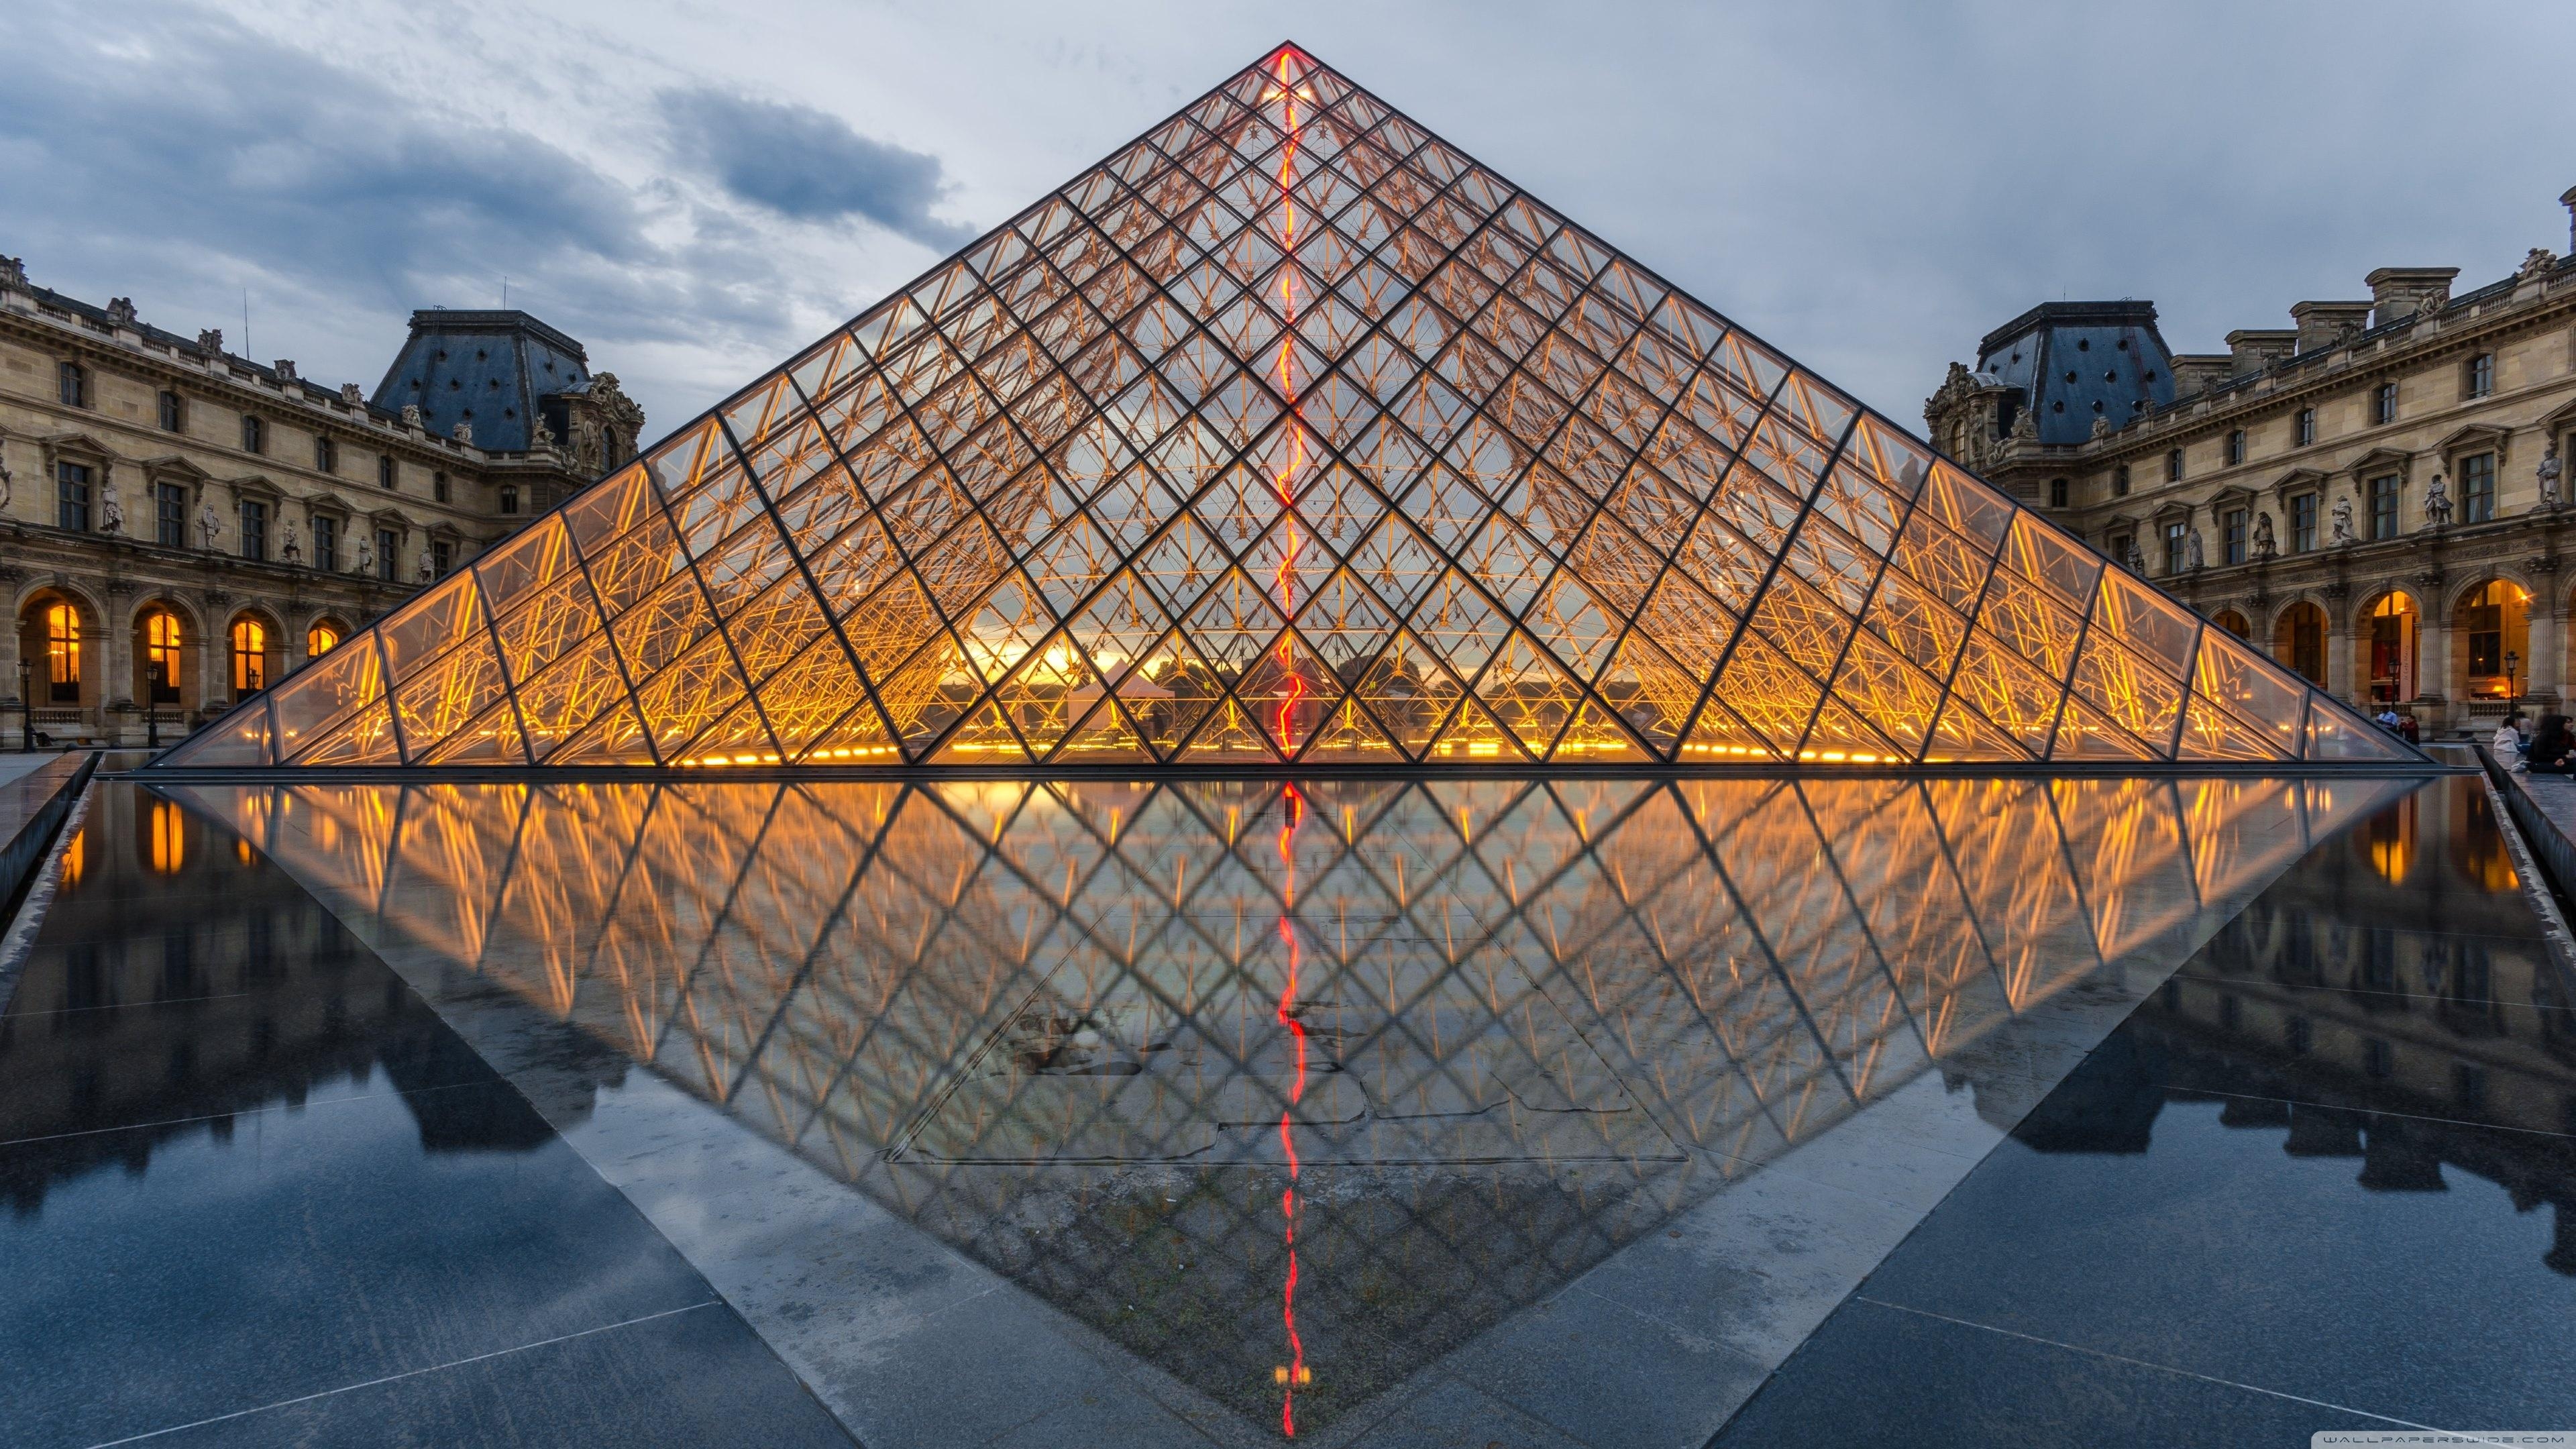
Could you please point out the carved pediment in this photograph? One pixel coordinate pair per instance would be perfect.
(2172, 509)
(258, 485)
(2476, 437)
(2234, 495)
(2300, 480)
(2381, 461)
(77, 446)
(172, 468)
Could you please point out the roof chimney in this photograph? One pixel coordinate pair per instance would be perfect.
(2397, 292)
(2323, 324)
(2251, 349)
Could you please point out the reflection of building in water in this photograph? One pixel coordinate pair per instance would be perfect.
(1046, 1022)
(245, 993)
(2406, 1024)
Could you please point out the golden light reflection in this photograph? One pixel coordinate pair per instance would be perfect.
(1290, 435)
(1572, 1000)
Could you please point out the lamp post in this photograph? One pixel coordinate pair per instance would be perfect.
(2512, 661)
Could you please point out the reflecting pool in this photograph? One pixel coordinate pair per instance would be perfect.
(1247, 1109)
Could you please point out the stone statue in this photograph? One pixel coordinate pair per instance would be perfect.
(411, 415)
(427, 570)
(2136, 561)
(351, 394)
(284, 367)
(290, 549)
(13, 272)
(463, 432)
(6, 491)
(2025, 428)
(2101, 429)
(2437, 502)
(111, 511)
(120, 311)
(2548, 474)
(2536, 263)
(2265, 546)
(2191, 551)
(366, 562)
(539, 435)
(2343, 535)
(210, 526)
(210, 341)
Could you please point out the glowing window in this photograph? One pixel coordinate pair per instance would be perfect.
(161, 657)
(321, 640)
(63, 652)
(250, 656)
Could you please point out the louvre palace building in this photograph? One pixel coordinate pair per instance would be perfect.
(180, 527)
(2374, 495)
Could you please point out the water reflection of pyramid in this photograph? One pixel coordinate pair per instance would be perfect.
(1289, 433)
(1048, 1023)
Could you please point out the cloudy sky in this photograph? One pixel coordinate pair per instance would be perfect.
(696, 188)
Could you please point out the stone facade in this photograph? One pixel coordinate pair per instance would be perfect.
(2376, 494)
(179, 526)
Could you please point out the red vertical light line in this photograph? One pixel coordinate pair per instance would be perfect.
(1287, 376)
(1294, 806)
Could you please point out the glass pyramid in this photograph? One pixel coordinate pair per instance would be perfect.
(1290, 434)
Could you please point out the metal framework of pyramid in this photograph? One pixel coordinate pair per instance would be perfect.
(1290, 434)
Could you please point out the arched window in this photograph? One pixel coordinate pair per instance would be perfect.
(161, 657)
(2234, 623)
(62, 652)
(321, 639)
(250, 657)
(2299, 641)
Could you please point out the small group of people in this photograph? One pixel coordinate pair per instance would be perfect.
(2547, 748)
(2401, 725)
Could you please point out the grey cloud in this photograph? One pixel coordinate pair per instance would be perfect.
(809, 165)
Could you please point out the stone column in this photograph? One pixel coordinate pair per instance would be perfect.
(10, 719)
(214, 655)
(2548, 647)
(118, 693)
(2433, 656)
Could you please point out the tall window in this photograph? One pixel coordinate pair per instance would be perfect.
(438, 557)
(2120, 544)
(321, 639)
(2233, 526)
(2303, 523)
(254, 529)
(326, 543)
(386, 477)
(254, 434)
(174, 412)
(2120, 481)
(387, 566)
(2383, 403)
(2056, 496)
(2477, 488)
(2477, 377)
(170, 514)
(2235, 447)
(326, 453)
(2308, 641)
(71, 384)
(2392, 648)
(2383, 506)
(510, 496)
(2174, 546)
(2173, 466)
(71, 496)
(161, 657)
(2304, 427)
(62, 652)
(250, 657)
(438, 486)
